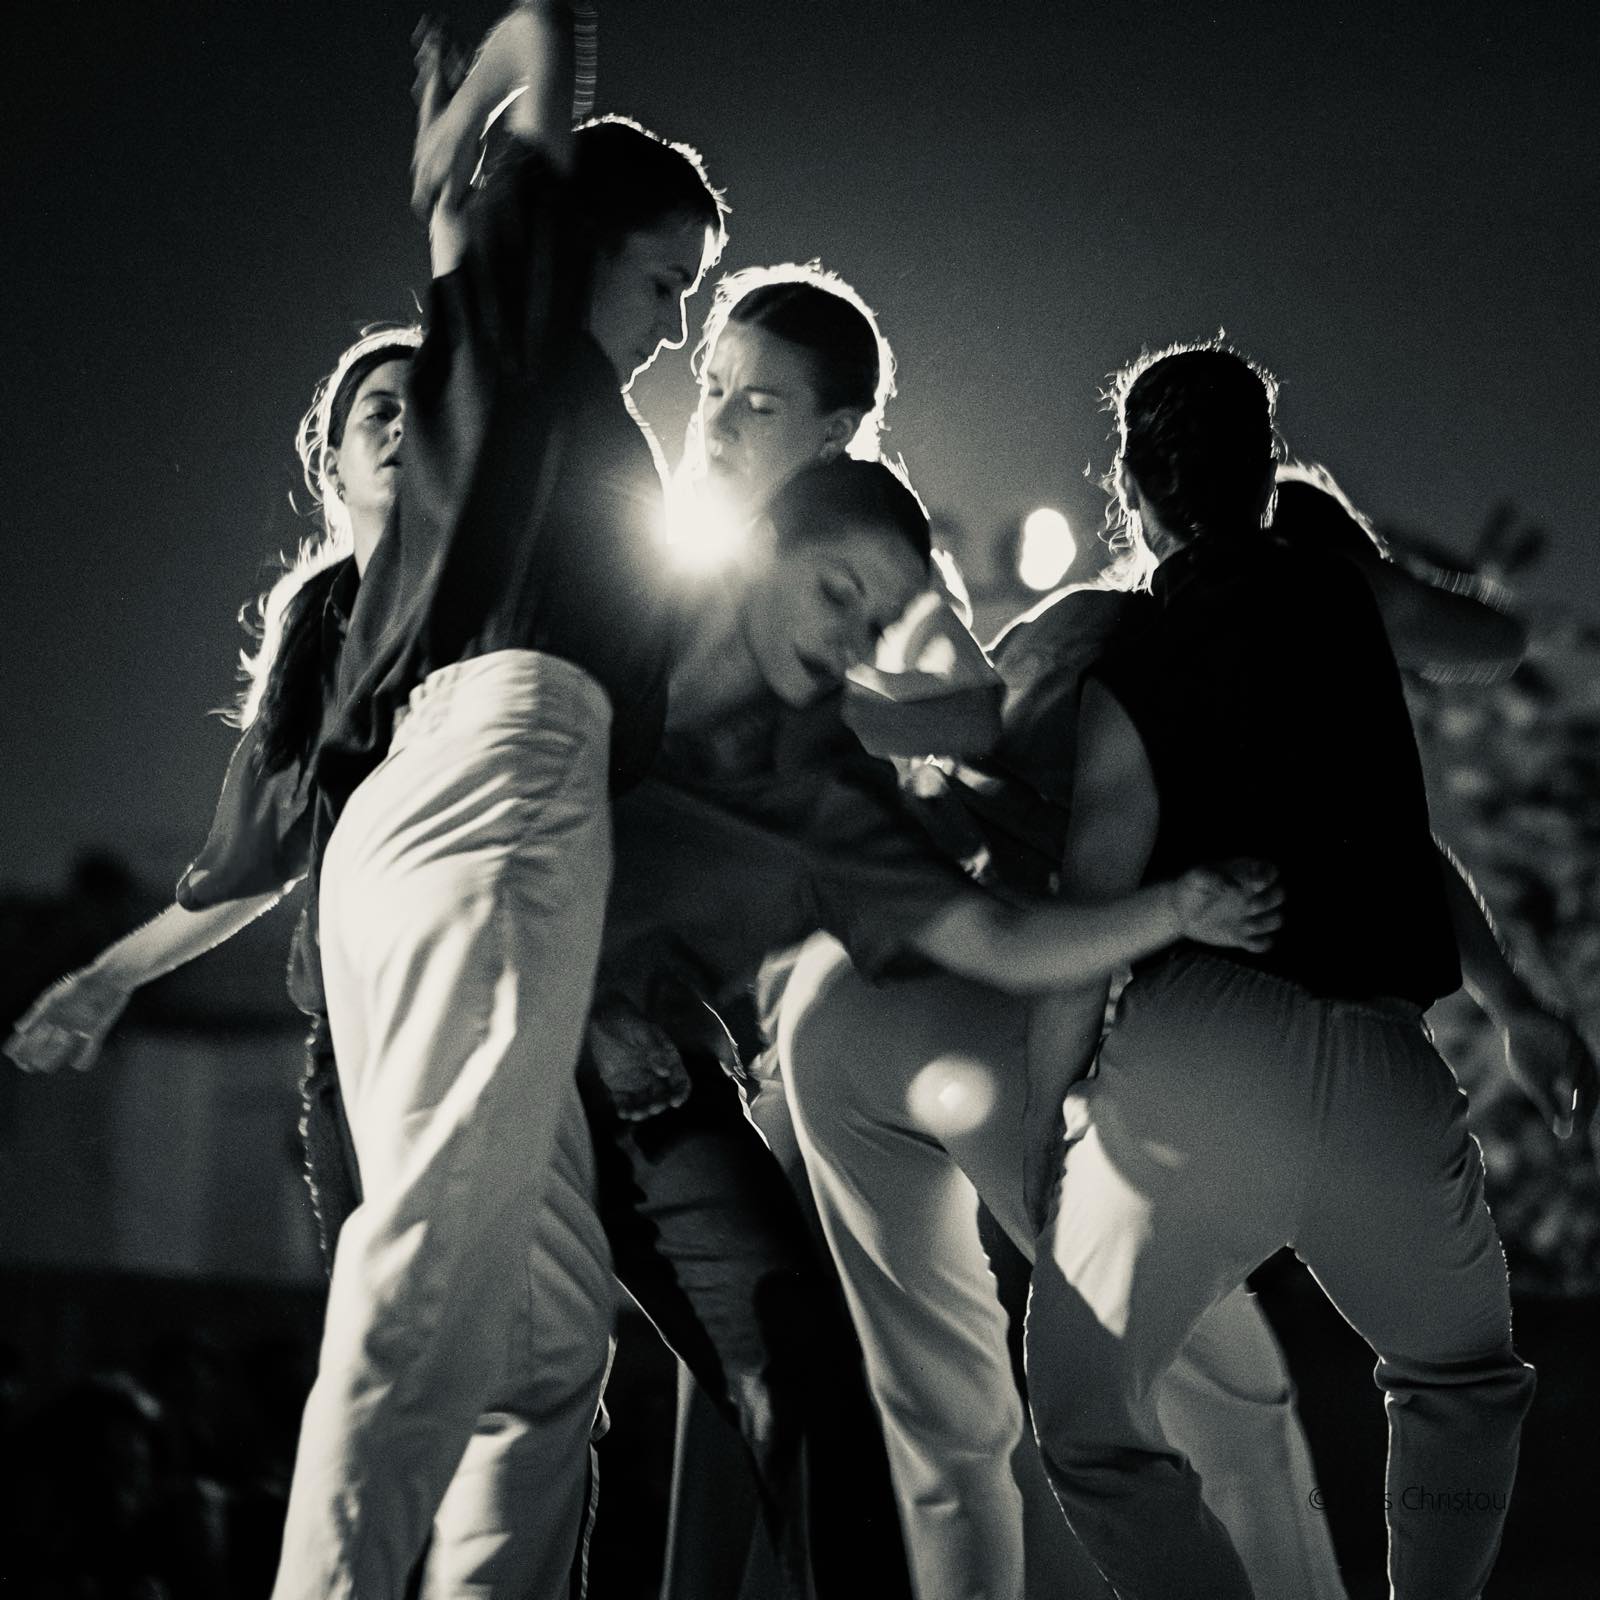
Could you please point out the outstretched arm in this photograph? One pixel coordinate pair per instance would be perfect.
(68, 1023)
(1547, 1056)
(1447, 634)
(1037, 949)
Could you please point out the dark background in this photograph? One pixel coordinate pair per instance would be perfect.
(203, 201)
(1394, 207)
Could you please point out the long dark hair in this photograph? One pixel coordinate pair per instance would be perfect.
(284, 674)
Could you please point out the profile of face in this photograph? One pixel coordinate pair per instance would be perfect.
(760, 419)
(819, 606)
(638, 301)
(364, 467)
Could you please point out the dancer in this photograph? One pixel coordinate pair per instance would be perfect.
(706, 1233)
(507, 647)
(908, 1096)
(1290, 1096)
(348, 444)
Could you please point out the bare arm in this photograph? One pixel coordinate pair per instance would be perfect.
(1115, 812)
(1104, 920)
(1442, 632)
(1547, 1056)
(525, 67)
(68, 1023)
(1032, 950)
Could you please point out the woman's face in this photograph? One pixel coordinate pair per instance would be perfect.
(640, 292)
(818, 606)
(364, 467)
(760, 422)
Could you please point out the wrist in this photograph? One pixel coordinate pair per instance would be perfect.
(107, 972)
(1171, 921)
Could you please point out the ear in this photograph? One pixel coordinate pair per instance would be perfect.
(837, 432)
(1128, 491)
(330, 470)
(1269, 490)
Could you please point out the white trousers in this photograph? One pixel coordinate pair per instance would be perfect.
(469, 1310)
(1232, 1113)
(907, 1102)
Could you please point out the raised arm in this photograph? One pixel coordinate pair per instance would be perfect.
(67, 1025)
(1547, 1056)
(525, 65)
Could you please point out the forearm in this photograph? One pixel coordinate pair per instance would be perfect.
(1048, 947)
(174, 938)
(1445, 628)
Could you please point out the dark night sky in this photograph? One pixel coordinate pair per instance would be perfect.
(1395, 207)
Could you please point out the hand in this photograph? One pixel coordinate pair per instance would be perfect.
(68, 1023)
(1552, 1064)
(447, 144)
(1238, 905)
(639, 1065)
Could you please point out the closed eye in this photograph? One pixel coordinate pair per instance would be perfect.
(838, 590)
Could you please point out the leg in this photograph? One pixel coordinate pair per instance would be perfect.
(715, 1511)
(1227, 1402)
(868, 1072)
(460, 927)
(1184, 1167)
(710, 1242)
(1400, 1238)
(512, 1515)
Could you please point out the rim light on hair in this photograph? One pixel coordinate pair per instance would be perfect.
(318, 551)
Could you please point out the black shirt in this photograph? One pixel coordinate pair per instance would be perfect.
(1004, 813)
(748, 839)
(529, 503)
(1262, 685)
(260, 836)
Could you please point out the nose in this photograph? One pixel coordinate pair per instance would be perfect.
(672, 327)
(719, 421)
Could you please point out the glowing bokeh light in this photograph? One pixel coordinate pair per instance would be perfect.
(1047, 550)
(951, 1096)
(704, 528)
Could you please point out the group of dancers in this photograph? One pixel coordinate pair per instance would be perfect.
(645, 947)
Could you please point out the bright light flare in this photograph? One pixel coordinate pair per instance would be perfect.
(705, 529)
(1048, 548)
(951, 1096)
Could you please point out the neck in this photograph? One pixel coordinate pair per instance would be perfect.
(1161, 541)
(717, 670)
(364, 535)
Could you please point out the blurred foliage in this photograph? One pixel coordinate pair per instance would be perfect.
(1514, 777)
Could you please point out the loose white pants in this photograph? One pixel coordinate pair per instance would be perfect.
(469, 1310)
(907, 1101)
